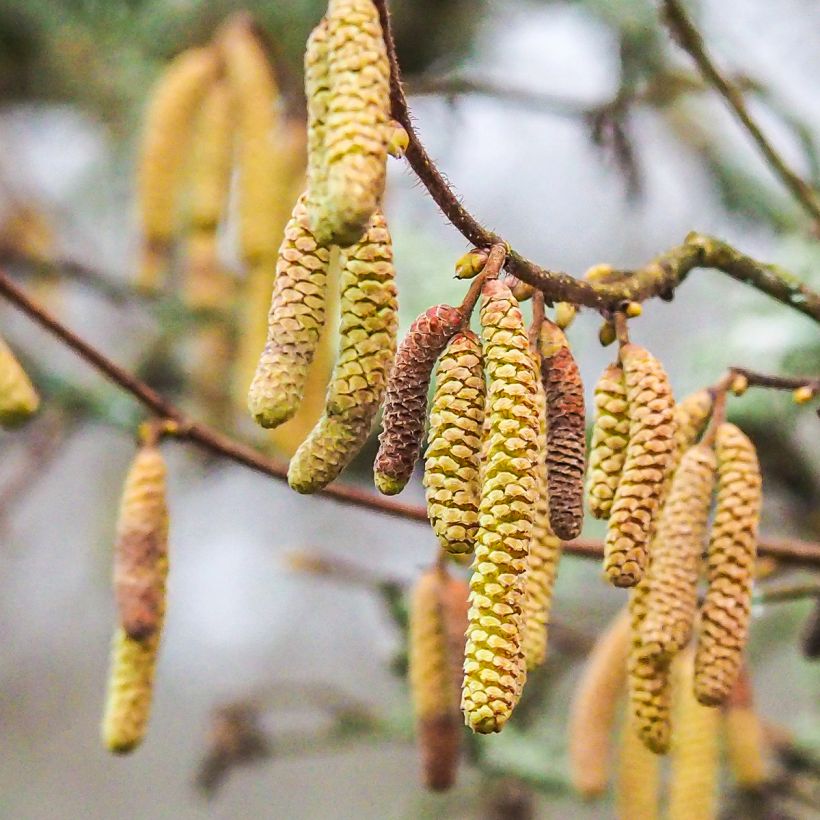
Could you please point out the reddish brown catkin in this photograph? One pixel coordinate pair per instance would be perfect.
(141, 551)
(566, 435)
(678, 546)
(405, 407)
(730, 568)
(593, 708)
(438, 608)
(610, 435)
(452, 459)
(494, 665)
(649, 458)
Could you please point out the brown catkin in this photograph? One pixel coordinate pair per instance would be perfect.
(494, 665)
(566, 433)
(637, 789)
(724, 616)
(169, 126)
(649, 458)
(295, 323)
(610, 436)
(451, 463)
(405, 407)
(367, 346)
(438, 609)
(141, 551)
(695, 751)
(691, 415)
(593, 708)
(18, 398)
(676, 555)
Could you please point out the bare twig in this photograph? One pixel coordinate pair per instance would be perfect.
(788, 592)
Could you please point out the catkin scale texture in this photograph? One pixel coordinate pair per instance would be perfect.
(610, 436)
(691, 415)
(494, 665)
(356, 123)
(405, 406)
(566, 435)
(295, 323)
(726, 609)
(141, 550)
(367, 346)
(18, 398)
(451, 463)
(317, 93)
(650, 456)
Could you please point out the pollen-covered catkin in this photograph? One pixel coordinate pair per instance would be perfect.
(676, 555)
(317, 94)
(295, 322)
(691, 415)
(454, 444)
(141, 551)
(169, 124)
(593, 708)
(745, 742)
(357, 123)
(18, 398)
(610, 435)
(438, 608)
(650, 456)
(405, 407)
(494, 665)
(637, 789)
(367, 346)
(566, 435)
(724, 616)
(695, 751)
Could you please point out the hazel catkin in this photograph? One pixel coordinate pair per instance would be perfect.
(744, 739)
(454, 444)
(18, 398)
(405, 406)
(649, 458)
(726, 609)
(637, 789)
(317, 93)
(691, 415)
(141, 550)
(494, 665)
(566, 435)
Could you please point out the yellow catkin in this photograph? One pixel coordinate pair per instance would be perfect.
(610, 435)
(744, 738)
(169, 126)
(695, 751)
(676, 556)
(724, 616)
(212, 352)
(454, 444)
(649, 459)
(295, 322)
(494, 665)
(593, 709)
(691, 415)
(367, 346)
(637, 789)
(438, 608)
(317, 93)
(18, 398)
(357, 125)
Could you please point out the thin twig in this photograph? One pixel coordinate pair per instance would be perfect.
(790, 592)
(776, 382)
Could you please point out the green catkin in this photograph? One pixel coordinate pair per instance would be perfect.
(454, 444)
(494, 666)
(367, 345)
(18, 398)
(317, 93)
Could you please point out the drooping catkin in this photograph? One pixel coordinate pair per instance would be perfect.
(454, 444)
(593, 708)
(610, 435)
(744, 738)
(650, 456)
(405, 407)
(141, 550)
(566, 435)
(317, 94)
(295, 322)
(691, 415)
(637, 789)
(726, 609)
(169, 126)
(695, 751)
(367, 346)
(676, 556)
(18, 398)
(494, 665)
(357, 122)
(438, 612)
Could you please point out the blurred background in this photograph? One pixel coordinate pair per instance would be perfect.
(581, 134)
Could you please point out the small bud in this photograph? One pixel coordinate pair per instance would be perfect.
(599, 273)
(565, 313)
(803, 395)
(472, 263)
(607, 334)
(739, 385)
(633, 309)
(521, 290)
(398, 140)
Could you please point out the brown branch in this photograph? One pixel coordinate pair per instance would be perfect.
(689, 38)
(776, 382)
(788, 592)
